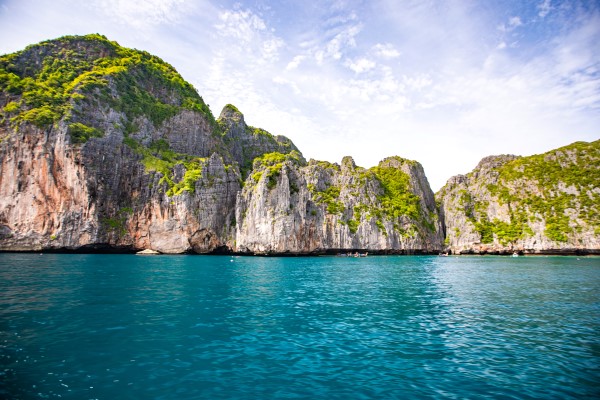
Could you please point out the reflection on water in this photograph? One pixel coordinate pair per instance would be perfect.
(101, 326)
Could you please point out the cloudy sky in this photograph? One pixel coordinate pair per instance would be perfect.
(441, 82)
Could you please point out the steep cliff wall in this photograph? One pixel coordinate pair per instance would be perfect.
(548, 203)
(103, 147)
(289, 206)
(245, 143)
(107, 147)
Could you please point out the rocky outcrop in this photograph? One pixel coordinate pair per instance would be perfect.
(124, 155)
(107, 148)
(548, 203)
(56, 195)
(245, 143)
(287, 206)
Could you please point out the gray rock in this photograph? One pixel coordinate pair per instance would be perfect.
(540, 204)
(323, 207)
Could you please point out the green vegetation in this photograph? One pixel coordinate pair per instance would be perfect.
(161, 158)
(256, 176)
(381, 227)
(41, 117)
(231, 107)
(359, 210)
(485, 229)
(397, 199)
(353, 225)
(260, 132)
(45, 80)
(117, 223)
(504, 232)
(260, 142)
(270, 165)
(80, 133)
(11, 107)
(576, 166)
(547, 187)
(394, 204)
(193, 172)
(328, 166)
(329, 197)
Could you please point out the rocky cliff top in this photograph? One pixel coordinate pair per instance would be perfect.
(98, 88)
(546, 202)
(245, 142)
(65, 77)
(491, 162)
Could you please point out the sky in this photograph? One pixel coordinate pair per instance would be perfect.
(445, 83)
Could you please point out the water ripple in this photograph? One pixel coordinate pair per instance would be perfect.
(188, 327)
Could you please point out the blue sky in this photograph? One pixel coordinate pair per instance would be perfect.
(441, 82)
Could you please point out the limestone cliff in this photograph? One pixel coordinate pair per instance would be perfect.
(106, 147)
(287, 206)
(548, 203)
(245, 143)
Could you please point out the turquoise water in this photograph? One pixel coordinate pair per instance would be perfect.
(220, 327)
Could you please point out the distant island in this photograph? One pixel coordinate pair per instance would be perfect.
(104, 148)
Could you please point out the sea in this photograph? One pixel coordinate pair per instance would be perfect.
(107, 326)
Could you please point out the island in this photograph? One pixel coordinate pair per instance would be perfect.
(105, 148)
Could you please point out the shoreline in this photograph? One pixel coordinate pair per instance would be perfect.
(317, 253)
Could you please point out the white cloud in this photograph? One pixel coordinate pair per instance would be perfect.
(242, 25)
(511, 25)
(270, 48)
(341, 42)
(418, 82)
(515, 22)
(282, 81)
(340, 19)
(387, 51)
(244, 38)
(141, 13)
(361, 65)
(578, 49)
(544, 8)
(295, 62)
(444, 87)
(448, 115)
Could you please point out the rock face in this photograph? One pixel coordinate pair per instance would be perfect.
(287, 206)
(104, 147)
(108, 148)
(548, 203)
(245, 143)
(115, 151)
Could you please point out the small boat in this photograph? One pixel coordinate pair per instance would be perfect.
(356, 255)
(515, 254)
(443, 254)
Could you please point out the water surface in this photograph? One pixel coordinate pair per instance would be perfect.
(221, 327)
